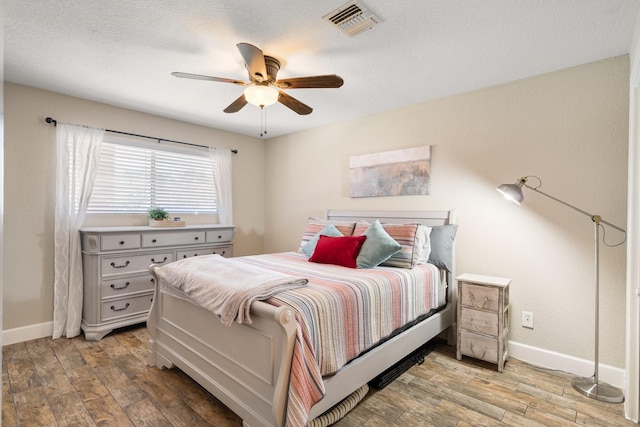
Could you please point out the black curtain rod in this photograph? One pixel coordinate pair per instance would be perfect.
(55, 123)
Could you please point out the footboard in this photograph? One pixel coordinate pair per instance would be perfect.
(245, 366)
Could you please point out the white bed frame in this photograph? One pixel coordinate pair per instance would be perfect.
(247, 366)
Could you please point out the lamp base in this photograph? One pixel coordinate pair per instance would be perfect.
(597, 390)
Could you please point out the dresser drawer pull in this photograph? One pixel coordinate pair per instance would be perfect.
(154, 241)
(158, 262)
(113, 308)
(474, 353)
(187, 256)
(113, 264)
(122, 242)
(196, 238)
(113, 286)
(219, 237)
(478, 329)
(473, 302)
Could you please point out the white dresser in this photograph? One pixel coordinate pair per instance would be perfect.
(118, 288)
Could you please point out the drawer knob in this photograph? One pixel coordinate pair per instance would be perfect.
(481, 356)
(476, 328)
(473, 302)
(113, 264)
(219, 237)
(120, 309)
(113, 286)
(122, 242)
(154, 241)
(196, 238)
(158, 262)
(152, 280)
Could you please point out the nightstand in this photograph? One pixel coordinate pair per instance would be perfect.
(483, 318)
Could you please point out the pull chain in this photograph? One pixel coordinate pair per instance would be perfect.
(263, 121)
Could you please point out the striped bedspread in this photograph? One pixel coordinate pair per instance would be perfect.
(343, 312)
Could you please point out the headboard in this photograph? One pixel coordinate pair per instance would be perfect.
(430, 218)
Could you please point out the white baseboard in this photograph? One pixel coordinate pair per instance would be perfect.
(26, 333)
(573, 365)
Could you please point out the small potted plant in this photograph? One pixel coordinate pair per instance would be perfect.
(157, 216)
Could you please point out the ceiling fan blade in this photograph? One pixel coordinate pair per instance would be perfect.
(292, 103)
(236, 105)
(254, 61)
(210, 78)
(327, 81)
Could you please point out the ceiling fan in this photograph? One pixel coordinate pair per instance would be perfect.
(263, 87)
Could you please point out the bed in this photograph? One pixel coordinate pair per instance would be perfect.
(253, 376)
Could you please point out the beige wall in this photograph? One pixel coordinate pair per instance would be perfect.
(29, 198)
(568, 127)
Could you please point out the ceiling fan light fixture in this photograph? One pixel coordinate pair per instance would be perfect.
(261, 95)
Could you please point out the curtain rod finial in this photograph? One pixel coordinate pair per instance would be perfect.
(50, 120)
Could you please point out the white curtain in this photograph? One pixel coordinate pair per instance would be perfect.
(221, 159)
(78, 151)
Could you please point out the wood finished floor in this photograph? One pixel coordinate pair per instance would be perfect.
(107, 383)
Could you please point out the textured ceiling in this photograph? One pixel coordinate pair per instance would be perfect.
(121, 52)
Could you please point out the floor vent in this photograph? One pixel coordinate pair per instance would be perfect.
(352, 18)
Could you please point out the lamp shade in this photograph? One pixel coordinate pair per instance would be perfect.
(261, 95)
(512, 192)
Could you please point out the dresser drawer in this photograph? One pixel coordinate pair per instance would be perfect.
(126, 306)
(119, 241)
(133, 263)
(224, 250)
(479, 346)
(480, 297)
(219, 236)
(480, 322)
(150, 240)
(128, 285)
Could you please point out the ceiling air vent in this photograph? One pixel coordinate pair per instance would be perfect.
(352, 18)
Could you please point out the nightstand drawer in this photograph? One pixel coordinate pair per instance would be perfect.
(126, 307)
(480, 297)
(119, 241)
(133, 263)
(127, 285)
(480, 322)
(479, 346)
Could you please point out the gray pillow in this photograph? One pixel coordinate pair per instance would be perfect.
(442, 246)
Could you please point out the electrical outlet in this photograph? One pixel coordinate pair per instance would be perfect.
(527, 319)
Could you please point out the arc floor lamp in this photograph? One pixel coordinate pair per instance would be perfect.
(590, 387)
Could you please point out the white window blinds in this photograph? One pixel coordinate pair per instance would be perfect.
(135, 178)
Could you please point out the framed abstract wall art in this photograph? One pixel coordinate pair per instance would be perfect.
(391, 173)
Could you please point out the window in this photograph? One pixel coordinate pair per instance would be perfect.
(135, 177)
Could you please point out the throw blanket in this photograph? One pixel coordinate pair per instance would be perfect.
(226, 286)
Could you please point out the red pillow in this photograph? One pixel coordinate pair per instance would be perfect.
(338, 250)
